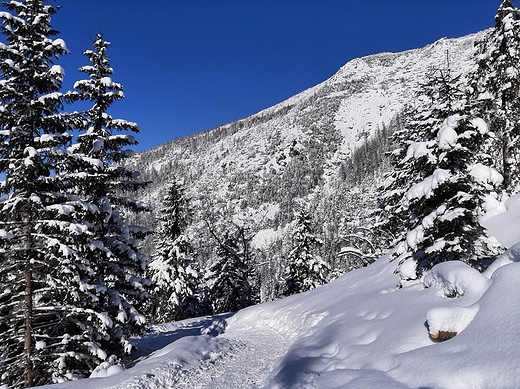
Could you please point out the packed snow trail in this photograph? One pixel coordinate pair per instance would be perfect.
(250, 359)
(196, 353)
(243, 360)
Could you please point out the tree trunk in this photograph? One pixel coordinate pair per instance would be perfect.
(505, 163)
(28, 309)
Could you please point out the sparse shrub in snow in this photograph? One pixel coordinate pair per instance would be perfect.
(407, 269)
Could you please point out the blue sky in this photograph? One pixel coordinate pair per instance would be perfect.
(191, 65)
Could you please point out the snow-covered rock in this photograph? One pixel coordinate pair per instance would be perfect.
(456, 279)
(449, 319)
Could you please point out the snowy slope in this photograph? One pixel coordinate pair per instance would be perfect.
(257, 169)
(337, 115)
(359, 331)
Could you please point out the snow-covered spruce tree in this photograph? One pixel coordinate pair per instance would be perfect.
(445, 207)
(495, 90)
(105, 185)
(305, 269)
(439, 97)
(172, 269)
(40, 274)
(229, 276)
(443, 189)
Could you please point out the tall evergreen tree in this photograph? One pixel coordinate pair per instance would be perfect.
(172, 268)
(229, 277)
(439, 97)
(495, 87)
(443, 177)
(305, 269)
(446, 206)
(37, 265)
(104, 184)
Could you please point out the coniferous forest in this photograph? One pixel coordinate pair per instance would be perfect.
(72, 274)
(97, 243)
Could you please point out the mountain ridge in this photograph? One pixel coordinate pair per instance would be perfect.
(459, 44)
(257, 170)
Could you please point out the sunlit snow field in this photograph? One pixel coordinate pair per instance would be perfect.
(359, 331)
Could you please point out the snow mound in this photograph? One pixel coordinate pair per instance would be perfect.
(456, 279)
(450, 319)
(484, 355)
(506, 215)
(510, 256)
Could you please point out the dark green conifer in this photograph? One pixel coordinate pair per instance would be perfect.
(172, 269)
(495, 87)
(305, 269)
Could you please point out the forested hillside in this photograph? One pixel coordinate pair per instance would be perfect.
(323, 152)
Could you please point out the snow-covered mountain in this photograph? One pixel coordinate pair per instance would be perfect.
(260, 168)
(341, 112)
(365, 93)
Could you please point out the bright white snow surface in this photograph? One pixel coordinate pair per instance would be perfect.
(359, 331)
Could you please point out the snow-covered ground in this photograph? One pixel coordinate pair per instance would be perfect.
(359, 331)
